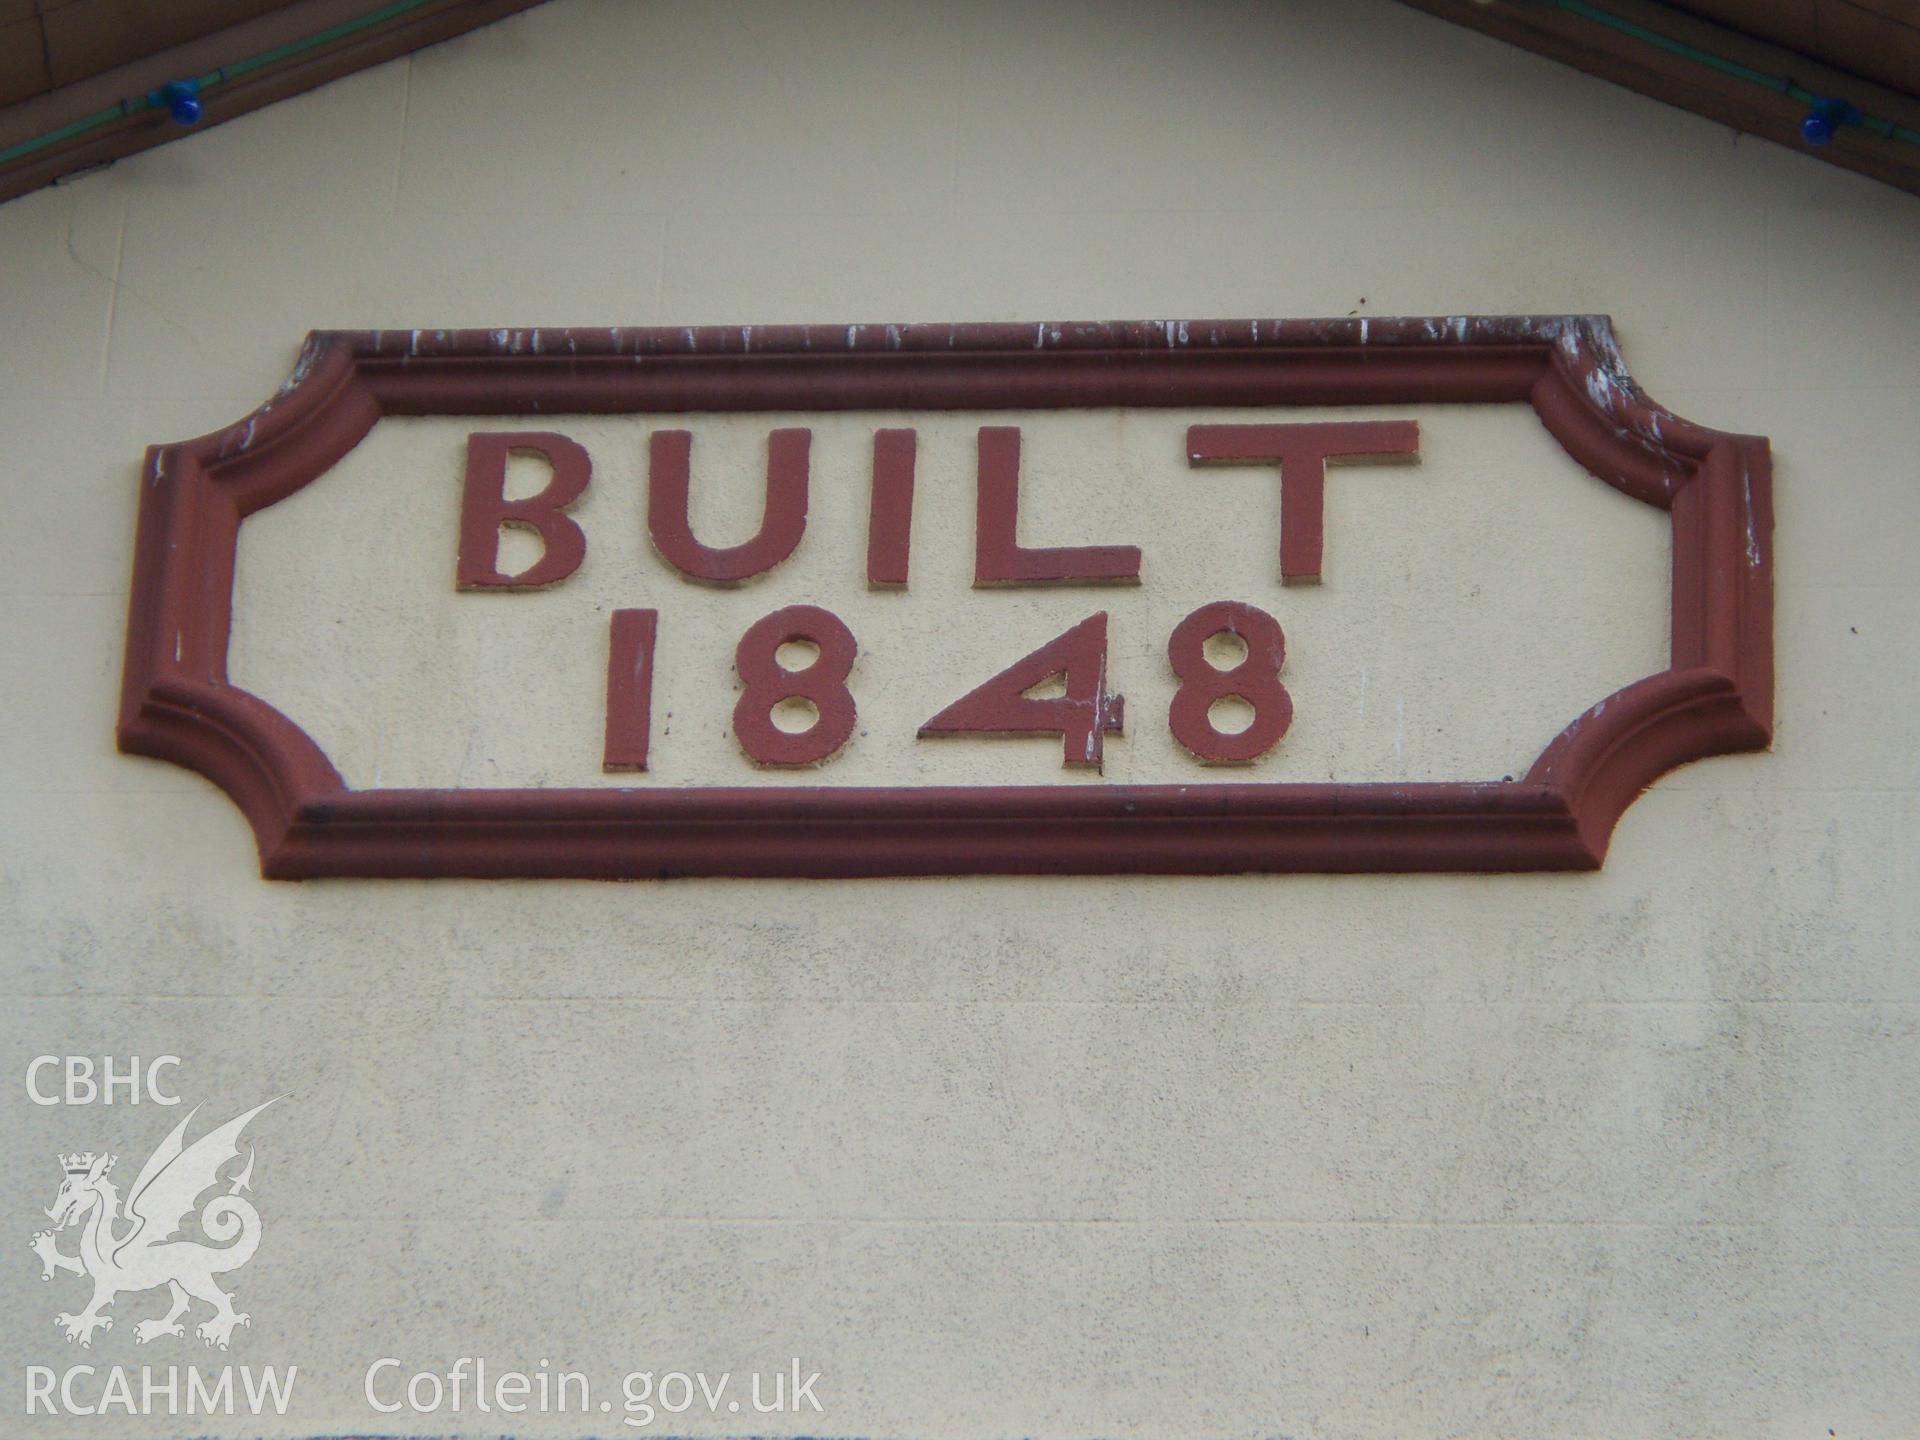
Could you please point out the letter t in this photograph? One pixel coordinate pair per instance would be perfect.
(1302, 452)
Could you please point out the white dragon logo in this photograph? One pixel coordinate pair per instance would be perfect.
(146, 1255)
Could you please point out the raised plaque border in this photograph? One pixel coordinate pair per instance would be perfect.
(1715, 698)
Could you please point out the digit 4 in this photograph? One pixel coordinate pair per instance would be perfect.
(1082, 717)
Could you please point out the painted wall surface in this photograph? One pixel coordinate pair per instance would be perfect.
(1626, 1153)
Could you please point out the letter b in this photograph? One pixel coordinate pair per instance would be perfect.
(485, 508)
(81, 1089)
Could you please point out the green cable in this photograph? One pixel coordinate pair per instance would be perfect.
(68, 131)
(325, 37)
(1848, 114)
(158, 100)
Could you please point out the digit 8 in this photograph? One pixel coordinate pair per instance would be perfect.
(1256, 680)
(768, 682)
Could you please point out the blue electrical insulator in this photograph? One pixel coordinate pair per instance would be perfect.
(1825, 119)
(182, 99)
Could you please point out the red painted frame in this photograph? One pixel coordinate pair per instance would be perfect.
(1716, 696)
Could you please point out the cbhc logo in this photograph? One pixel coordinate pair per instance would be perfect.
(82, 1088)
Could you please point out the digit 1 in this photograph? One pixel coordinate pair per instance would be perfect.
(630, 644)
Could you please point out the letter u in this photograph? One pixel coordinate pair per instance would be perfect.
(781, 523)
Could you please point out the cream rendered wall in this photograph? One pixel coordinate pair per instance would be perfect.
(1632, 1153)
